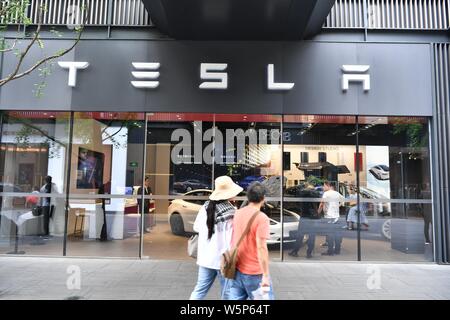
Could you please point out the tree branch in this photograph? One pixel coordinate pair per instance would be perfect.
(40, 62)
(11, 48)
(110, 136)
(16, 75)
(19, 120)
(23, 54)
(107, 126)
(22, 19)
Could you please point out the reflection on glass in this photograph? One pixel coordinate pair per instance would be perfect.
(185, 152)
(395, 152)
(394, 216)
(106, 174)
(33, 167)
(248, 149)
(177, 152)
(320, 172)
(179, 165)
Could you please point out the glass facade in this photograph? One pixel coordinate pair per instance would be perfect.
(130, 184)
(107, 149)
(319, 149)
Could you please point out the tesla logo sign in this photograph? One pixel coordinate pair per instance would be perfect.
(214, 76)
(272, 85)
(73, 66)
(355, 73)
(149, 73)
(208, 71)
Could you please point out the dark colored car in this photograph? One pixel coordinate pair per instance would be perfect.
(244, 183)
(305, 209)
(189, 185)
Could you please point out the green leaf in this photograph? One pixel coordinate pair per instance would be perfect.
(40, 43)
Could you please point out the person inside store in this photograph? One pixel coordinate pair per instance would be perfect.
(147, 192)
(103, 189)
(352, 216)
(47, 207)
(331, 201)
(214, 224)
(306, 224)
(427, 212)
(252, 264)
(32, 201)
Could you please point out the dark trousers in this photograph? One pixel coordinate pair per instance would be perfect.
(334, 241)
(333, 233)
(305, 228)
(46, 213)
(310, 243)
(428, 220)
(104, 232)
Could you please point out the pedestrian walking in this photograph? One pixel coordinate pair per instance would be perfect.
(214, 227)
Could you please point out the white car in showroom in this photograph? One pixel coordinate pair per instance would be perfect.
(182, 214)
(380, 172)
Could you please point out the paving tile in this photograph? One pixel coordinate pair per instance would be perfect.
(45, 278)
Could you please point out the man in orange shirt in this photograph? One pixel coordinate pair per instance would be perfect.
(253, 256)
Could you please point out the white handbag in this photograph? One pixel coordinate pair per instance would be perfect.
(193, 246)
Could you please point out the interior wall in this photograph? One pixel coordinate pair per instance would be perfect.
(158, 169)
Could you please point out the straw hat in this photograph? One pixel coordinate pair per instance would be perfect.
(225, 189)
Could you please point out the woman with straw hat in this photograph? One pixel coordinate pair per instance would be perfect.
(214, 226)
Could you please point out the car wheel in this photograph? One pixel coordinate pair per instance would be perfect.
(386, 229)
(188, 189)
(176, 224)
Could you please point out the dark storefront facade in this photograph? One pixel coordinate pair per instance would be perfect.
(363, 106)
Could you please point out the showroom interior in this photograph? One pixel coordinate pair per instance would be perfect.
(99, 160)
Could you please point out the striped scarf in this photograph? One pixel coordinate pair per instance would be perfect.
(224, 211)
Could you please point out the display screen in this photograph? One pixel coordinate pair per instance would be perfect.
(90, 169)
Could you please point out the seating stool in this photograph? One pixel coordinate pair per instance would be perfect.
(78, 232)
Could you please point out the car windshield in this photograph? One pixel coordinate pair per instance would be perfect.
(385, 168)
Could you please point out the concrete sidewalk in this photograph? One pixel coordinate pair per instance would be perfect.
(48, 278)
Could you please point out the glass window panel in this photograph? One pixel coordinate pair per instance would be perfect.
(181, 173)
(248, 149)
(396, 189)
(33, 163)
(105, 187)
(319, 149)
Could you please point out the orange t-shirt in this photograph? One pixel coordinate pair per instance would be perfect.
(247, 261)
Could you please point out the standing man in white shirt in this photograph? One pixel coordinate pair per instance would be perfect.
(330, 206)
